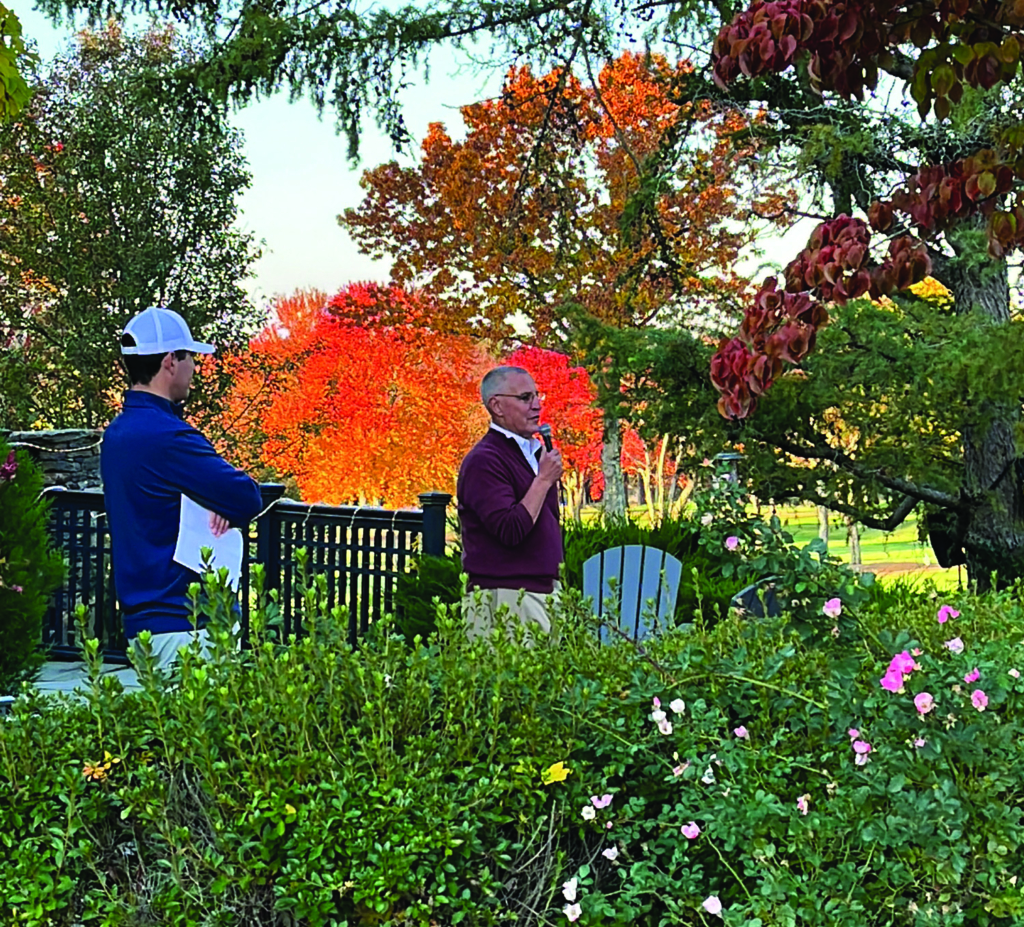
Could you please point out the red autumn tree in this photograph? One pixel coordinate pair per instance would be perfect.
(570, 407)
(357, 399)
(562, 192)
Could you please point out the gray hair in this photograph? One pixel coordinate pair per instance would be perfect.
(495, 379)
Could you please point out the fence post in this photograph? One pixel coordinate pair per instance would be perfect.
(268, 551)
(268, 547)
(435, 521)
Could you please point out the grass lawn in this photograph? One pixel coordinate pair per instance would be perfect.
(899, 553)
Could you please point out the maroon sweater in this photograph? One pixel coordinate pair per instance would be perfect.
(502, 547)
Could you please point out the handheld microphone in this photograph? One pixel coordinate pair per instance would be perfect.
(545, 434)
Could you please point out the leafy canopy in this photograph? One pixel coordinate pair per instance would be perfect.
(564, 191)
(116, 199)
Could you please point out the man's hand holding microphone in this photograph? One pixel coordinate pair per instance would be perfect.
(549, 472)
(550, 464)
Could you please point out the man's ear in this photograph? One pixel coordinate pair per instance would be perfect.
(168, 362)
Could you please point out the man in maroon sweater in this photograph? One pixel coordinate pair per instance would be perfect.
(508, 507)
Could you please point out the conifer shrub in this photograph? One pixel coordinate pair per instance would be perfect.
(30, 570)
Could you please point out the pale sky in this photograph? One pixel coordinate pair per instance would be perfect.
(302, 179)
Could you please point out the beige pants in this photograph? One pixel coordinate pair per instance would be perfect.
(481, 606)
(165, 646)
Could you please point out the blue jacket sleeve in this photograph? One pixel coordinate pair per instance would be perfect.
(197, 470)
(488, 492)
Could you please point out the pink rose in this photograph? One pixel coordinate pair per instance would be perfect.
(861, 749)
(8, 469)
(973, 676)
(833, 608)
(924, 702)
(979, 700)
(892, 681)
(712, 905)
(904, 663)
(946, 612)
(732, 542)
(690, 831)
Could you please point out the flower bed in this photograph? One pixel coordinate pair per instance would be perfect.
(736, 776)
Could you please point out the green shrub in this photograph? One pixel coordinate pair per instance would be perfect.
(808, 582)
(29, 569)
(458, 782)
(431, 580)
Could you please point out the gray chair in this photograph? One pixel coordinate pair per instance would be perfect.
(634, 587)
(758, 599)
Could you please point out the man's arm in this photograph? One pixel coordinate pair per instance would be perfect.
(488, 492)
(197, 470)
(549, 472)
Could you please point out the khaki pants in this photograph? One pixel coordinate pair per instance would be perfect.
(165, 646)
(480, 608)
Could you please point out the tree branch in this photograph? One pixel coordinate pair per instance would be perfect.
(844, 462)
(898, 516)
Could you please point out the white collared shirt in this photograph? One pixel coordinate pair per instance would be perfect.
(529, 446)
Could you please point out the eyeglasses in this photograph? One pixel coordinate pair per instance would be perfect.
(523, 397)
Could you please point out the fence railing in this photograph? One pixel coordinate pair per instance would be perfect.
(360, 550)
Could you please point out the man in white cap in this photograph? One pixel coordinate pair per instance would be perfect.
(150, 458)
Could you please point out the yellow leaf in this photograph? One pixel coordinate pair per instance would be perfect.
(555, 773)
(289, 809)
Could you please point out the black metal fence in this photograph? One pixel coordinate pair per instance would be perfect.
(360, 550)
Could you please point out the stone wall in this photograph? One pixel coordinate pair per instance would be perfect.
(69, 457)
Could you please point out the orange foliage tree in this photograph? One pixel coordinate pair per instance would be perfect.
(356, 398)
(565, 192)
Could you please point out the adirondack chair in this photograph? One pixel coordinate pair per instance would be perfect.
(634, 587)
(758, 598)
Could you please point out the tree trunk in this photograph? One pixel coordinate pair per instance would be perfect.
(663, 497)
(611, 465)
(994, 534)
(853, 538)
(823, 524)
(646, 486)
(573, 485)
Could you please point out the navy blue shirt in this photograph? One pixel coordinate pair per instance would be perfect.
(148, 459)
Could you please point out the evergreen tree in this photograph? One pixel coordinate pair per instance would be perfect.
(29, 569)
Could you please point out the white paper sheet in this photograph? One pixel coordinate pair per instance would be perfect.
(194, 534)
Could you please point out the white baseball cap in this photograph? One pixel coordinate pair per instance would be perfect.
(156, 331)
